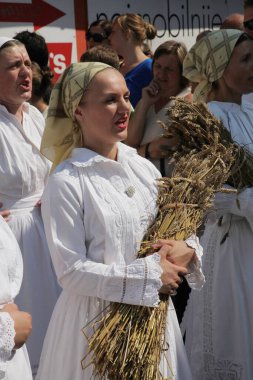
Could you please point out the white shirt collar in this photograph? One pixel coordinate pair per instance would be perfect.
(83, 157)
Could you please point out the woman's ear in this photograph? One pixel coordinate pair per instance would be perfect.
(128, 34)
(78, 112)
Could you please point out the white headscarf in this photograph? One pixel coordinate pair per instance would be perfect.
(3, 40)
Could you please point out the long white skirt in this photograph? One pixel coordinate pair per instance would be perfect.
(65, 345)
(18, 367)
(219, 318)
(39, 290)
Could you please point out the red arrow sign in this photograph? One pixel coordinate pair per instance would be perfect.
(38, 12)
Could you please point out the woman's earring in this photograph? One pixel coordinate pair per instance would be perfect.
(78, 112)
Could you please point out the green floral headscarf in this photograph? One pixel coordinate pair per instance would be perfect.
(207, 59)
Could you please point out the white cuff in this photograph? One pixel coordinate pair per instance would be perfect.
(195, 278)
(147, 293)
(7, 335)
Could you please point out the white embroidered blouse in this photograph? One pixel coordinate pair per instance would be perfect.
(23, 170)
(94, 225)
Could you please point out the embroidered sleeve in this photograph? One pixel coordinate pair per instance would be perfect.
(136, 284)
(7, 334)
(141, 282)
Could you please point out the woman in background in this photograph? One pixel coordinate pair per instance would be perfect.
(145, 132)
(218, 320)
(129, 31)
(98, 33)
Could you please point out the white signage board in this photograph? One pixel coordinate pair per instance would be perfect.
(176, 19)
(63, 23)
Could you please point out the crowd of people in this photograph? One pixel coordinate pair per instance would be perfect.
(78, 191)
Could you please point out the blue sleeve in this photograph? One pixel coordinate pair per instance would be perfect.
(139, 77)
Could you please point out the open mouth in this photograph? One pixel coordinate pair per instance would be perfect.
(122, 122)
(25, 85)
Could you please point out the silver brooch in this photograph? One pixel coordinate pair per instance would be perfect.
(130, 191)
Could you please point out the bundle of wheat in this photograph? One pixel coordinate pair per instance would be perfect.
(129, 341)
(194, 126)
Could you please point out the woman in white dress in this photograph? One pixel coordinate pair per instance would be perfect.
(23, 174)
(15, 325)
(218, 321)
(96, 208)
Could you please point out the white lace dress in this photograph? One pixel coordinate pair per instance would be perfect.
(23, 174)
(96, 211)
(218, 319)
(14, 365)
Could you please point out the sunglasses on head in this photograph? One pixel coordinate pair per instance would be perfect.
(248, 24)
(96, 37)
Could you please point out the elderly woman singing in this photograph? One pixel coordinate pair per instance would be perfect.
(23, 174)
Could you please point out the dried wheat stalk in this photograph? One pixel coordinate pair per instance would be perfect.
(194, 126)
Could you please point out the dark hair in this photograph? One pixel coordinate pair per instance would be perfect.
(179, 50)
(132, 22)
(37, 50)
(103, 54)
(41, 82)
(244, 37)
(248, 3)
(36, 47)
(105, 25)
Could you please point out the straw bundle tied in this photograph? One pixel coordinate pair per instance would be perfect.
(194, 126)
(129, 342)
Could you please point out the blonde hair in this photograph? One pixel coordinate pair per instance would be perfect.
(132, 22)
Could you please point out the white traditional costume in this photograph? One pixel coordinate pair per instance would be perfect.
(14, 364)
(96, 211)
(218, 319)
(23, 174)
